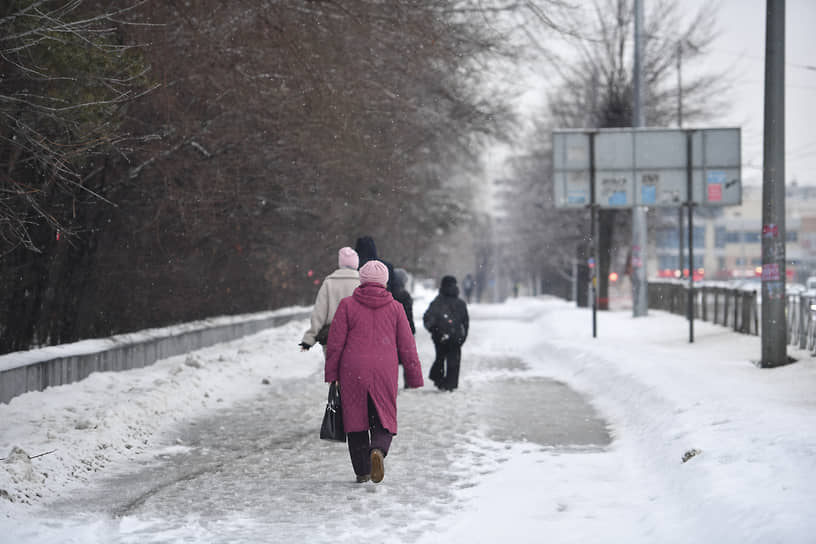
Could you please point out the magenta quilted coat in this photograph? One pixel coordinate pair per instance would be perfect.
(369, 337)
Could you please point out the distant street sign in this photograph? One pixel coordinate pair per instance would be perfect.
(647, 167)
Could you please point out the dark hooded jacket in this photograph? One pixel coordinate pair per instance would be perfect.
(401, 295)
(366, 250)
(447, 302)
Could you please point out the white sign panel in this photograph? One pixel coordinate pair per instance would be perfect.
(648, 167)
(661, 187)
(572, 189)
(571, 156)
(571, 151)
(615, 150)
(614, 189)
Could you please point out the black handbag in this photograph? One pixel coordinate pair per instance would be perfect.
(332, 427)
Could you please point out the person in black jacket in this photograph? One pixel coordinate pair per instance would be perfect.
(447, 321)
(400, 293)
(367, 251)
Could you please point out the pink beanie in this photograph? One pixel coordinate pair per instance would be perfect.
(347, 258)
(374, 271)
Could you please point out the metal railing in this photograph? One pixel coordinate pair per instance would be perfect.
(800, 311)
(738, 308)
(731, 307)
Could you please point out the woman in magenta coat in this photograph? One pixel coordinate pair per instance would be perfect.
(369, 338)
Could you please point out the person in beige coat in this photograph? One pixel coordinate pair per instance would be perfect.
(337, 286)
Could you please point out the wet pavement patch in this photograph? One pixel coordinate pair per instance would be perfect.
(512, 406)
(540, 410)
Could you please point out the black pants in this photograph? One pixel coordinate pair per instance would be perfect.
(360, 444)
(446, 376)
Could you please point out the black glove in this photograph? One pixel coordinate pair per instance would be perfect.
(304, 345)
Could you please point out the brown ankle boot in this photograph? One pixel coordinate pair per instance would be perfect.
(377, 466)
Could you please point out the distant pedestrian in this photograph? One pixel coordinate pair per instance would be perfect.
(335, 287)
(467, 287)
(369, 338)
(447, 320)
(400, 293)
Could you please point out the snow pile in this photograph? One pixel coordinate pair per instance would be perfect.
(79, 429)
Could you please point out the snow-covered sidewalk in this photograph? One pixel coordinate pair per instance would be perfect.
(753, 480)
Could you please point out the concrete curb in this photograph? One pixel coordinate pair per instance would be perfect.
(45, 367)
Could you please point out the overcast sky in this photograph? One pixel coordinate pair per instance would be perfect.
(742, 42)
(739, 49)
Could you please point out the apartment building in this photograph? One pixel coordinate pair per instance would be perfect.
(728, 241)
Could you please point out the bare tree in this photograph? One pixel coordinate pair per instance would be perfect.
(595, 90)
(66, 78)
(280, 131)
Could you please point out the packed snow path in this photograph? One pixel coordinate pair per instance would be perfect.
(258, 468)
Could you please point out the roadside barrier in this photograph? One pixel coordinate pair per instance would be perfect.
(801, 323)
(731, 307)
(739, 308)
(37, 369)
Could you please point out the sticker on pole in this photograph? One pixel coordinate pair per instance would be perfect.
(770, 272)
(770, 231)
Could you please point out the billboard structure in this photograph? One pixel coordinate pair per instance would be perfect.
(647, 167)
(659, 167)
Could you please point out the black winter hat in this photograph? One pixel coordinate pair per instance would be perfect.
(365, 249)
(448, 287)
(448, 281)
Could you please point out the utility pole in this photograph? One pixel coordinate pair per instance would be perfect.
(680, 233)
(774, 339)
(593, 209)
(640, 291)
(690, 211)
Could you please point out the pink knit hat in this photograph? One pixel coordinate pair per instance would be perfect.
(374, 271)
(347, 258)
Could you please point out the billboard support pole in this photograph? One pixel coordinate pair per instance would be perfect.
(640, 286)
(690, 205)
(593, 210)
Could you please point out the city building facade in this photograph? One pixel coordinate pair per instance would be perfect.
(728, 241)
